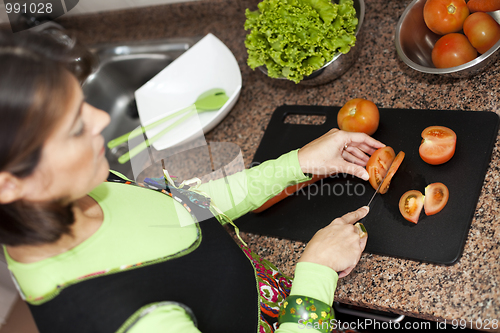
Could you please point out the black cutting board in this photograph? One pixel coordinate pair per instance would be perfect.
(437, 239)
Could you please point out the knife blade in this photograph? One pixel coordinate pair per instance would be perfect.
(381, 182)
(376, 191)
(361, 228)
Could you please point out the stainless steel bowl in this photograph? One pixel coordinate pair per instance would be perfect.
(414, 44)
(340, 62)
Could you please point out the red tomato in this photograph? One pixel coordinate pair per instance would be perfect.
(378, 165)
(452, 50)
(359, 115)
(483, 5)
(287, 192)
(436, 197)
(392, 170)
(410, 205)
(482, 31)
(445, 16)
(438, 144)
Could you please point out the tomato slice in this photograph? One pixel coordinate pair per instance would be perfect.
(287, 192)
(392, 170)
(410, 205)
(438, 144)
(378, 165)
(436, 197)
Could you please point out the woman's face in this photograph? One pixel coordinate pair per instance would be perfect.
(72, 161)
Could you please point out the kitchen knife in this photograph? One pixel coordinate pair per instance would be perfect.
(378, 188)
(361, 228)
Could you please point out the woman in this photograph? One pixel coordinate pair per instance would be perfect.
(84, 253)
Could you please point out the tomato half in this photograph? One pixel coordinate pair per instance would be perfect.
(445, 16)
(436, 197)
(482, 31)
(359, 115)
(378, 165)
(392, 170)
(438, 145)
(287, 192)
(410, 205)
(452, 50)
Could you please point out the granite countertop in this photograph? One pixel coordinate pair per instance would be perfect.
(468, 290)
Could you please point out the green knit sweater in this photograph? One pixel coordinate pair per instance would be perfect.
(141, 225)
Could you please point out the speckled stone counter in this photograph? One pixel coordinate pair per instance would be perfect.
(468, 290)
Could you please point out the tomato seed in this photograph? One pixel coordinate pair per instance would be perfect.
(410, 205)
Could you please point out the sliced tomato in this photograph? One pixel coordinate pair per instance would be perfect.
(436, 197)
(378, 165)
(438, 144)
(287, 192)
(410, 205)
(392, 170)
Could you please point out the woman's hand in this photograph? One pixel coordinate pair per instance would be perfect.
(338, 245)
(338, 152)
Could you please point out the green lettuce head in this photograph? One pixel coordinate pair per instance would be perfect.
(293, 38)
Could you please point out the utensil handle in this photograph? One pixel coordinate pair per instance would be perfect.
(138, 131)
(143, 145)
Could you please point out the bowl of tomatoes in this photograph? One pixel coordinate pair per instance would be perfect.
(449, 37)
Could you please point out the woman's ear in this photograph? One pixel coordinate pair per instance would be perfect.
(10, 188)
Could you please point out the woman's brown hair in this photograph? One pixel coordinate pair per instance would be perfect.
(35, 88)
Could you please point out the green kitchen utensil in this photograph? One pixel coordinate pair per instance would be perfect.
(210, 100)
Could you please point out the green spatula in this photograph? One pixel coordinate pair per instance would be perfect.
(210, 100)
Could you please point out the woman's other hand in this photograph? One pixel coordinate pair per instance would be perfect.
(338, 245)
(338, 152)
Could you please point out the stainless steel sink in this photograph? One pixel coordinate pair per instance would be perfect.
(122, 69)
